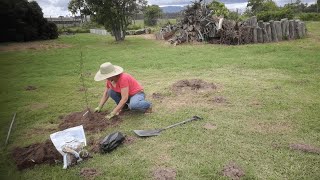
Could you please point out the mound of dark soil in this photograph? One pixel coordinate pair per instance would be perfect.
(305, 148)
(92, 122)
(39, 153)
(192, 85)
(89, 173)
(232, 171)
(164, 174)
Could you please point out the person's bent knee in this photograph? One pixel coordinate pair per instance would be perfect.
(138, 106)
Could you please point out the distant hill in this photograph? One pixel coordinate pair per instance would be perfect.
(172, 9)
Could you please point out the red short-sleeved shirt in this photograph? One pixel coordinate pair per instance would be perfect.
(126, 80)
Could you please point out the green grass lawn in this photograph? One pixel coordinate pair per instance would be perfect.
(271, 92)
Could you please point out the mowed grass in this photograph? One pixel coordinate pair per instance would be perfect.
(272, 101)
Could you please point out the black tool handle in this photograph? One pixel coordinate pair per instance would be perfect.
(183, 122)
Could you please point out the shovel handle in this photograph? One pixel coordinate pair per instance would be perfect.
(183, 122)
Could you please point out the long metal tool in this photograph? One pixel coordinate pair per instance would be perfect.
(156, 132)
(14, 116)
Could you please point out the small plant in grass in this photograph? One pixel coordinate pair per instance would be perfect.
(85, 90)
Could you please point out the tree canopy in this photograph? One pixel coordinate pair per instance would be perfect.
(152, 14)
(218, 8)
(115, 15)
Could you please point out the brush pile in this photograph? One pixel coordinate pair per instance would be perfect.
(198, 24)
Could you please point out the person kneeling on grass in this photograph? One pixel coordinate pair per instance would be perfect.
(122, 88)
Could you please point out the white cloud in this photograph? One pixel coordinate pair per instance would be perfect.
(56, 8)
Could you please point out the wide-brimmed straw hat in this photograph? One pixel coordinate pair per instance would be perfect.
(107, 70)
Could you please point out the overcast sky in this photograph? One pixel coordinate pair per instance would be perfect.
(56, 8)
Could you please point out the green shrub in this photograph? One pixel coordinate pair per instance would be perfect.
(22, 20)
(134, 27)
(309, 16)
(74, 30)
(275, 15)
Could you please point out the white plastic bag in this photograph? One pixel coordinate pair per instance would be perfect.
(71, 137)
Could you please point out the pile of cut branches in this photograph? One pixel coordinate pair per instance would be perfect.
(198, 24)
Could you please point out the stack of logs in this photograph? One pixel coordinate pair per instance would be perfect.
(274, 31)
(198, 24)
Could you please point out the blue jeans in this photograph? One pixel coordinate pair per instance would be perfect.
(135, 102)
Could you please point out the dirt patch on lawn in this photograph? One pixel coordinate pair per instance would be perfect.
(92, 122)
(37, 106)
(219, 100)
(210, 126)
(196, 85)
(158, 96)
(129, 140)
(39, 153)
(89, 173)
(30, 88)
(35, 45)
(233, 171)
(148, 36)
(305, 148)
(273, 127)
(164, 174)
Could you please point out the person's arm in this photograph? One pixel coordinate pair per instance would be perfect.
(103, 100)
(124, 99)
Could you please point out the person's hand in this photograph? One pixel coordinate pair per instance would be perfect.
(97, 109)
(111, 115)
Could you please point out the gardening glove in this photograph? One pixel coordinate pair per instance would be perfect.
(111, 115)
(97, 109)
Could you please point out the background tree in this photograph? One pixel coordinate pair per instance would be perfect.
(254, 6)
(79, 6)
(21, 20)
(219, 8)
(152, 14)
(115, 15)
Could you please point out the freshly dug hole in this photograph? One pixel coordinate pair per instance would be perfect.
(192, 85)
(92, 122)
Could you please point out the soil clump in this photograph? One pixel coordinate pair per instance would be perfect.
(192, 85)
(164, 174)
(92, 122)
(233, 171)
(89, 173)
(38, 153)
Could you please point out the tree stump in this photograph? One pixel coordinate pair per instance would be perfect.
(254, 35)
(274, 36)
(278, 30)
(259, 35)
(303, 26)
(291, 30)
(298, 29)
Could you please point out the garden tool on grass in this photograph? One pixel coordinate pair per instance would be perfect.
(156, 132)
